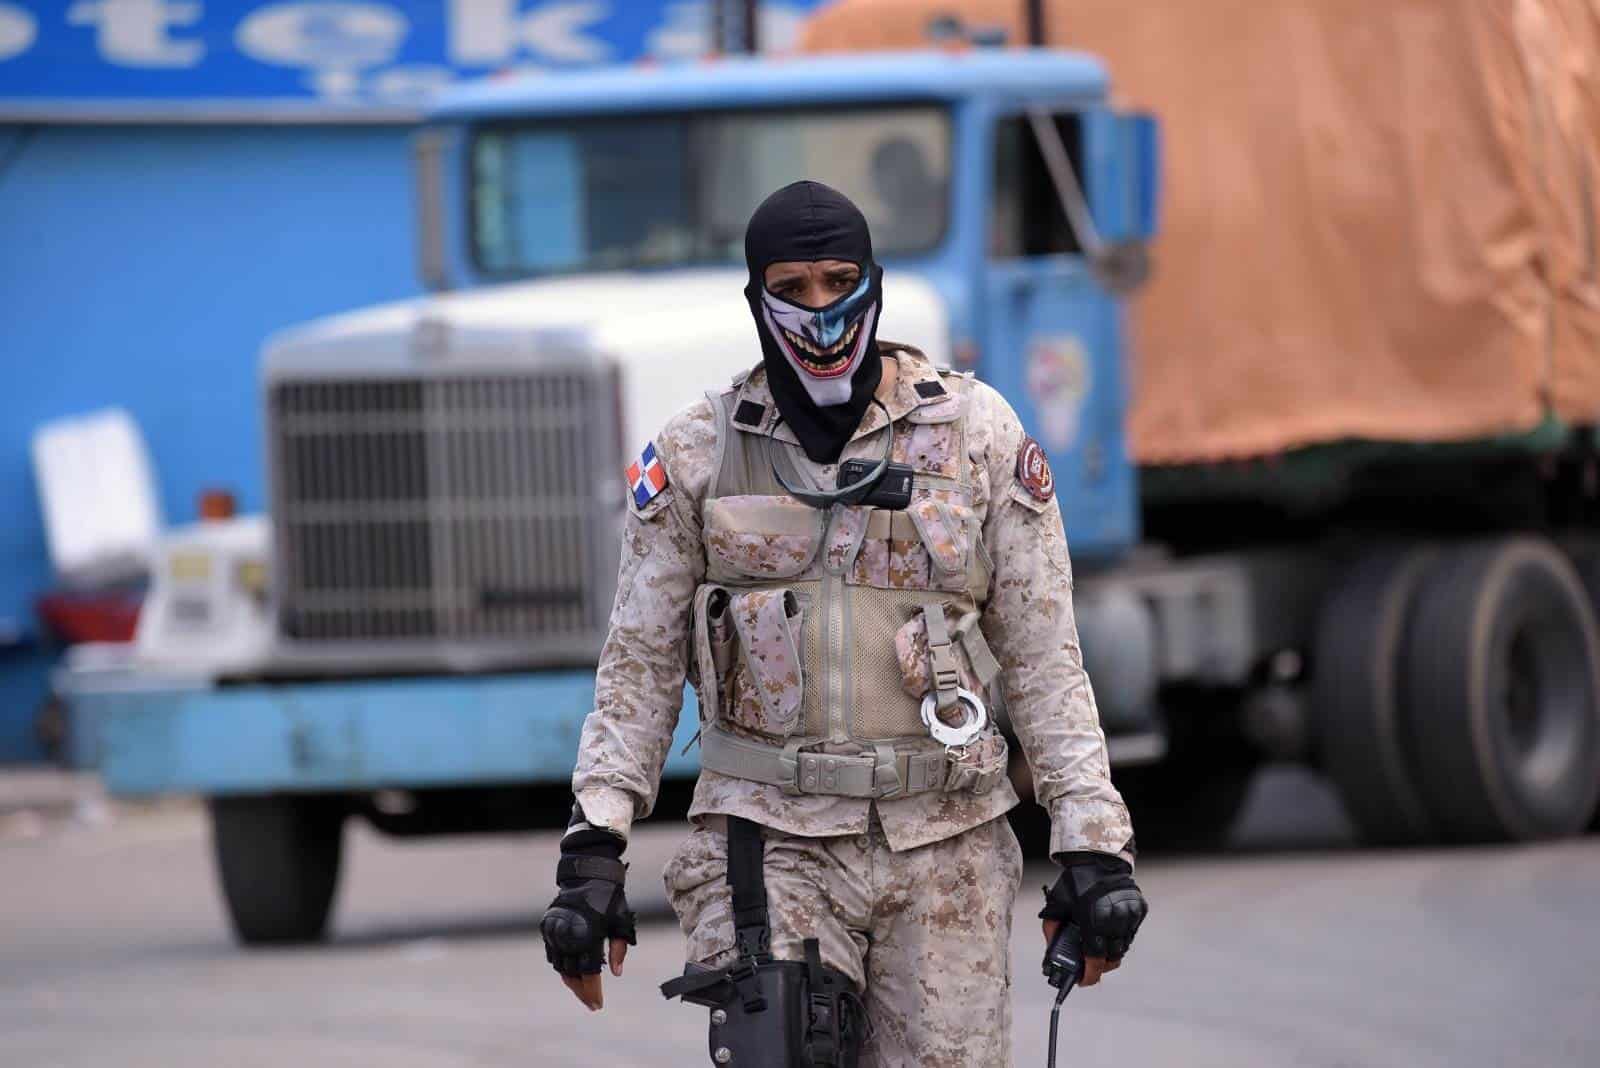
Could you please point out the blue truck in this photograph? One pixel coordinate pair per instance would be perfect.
(409, 636)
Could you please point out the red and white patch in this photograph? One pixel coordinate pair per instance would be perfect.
(1033, 471)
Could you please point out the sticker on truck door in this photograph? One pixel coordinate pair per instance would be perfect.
(1058, 382)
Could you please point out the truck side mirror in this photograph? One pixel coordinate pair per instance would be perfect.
(1111, 221)
(1127, 200)
(1145, 130)
(1125, 194)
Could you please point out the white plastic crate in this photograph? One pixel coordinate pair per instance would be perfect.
(102, 517)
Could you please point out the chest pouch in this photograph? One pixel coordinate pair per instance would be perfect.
(752, 537)
(925, 547)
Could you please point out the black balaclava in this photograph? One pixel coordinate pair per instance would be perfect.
(822, 363)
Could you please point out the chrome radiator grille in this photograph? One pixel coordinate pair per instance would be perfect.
(461, 509)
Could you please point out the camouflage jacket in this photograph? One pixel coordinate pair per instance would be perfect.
(1027, 620)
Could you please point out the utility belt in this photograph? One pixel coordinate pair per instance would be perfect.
(881, 773)
(774, 1013)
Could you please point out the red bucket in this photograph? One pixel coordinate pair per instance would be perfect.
(74, 618)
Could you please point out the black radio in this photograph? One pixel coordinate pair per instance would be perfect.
(893, 490)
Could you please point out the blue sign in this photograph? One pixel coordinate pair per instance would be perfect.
(153, 58)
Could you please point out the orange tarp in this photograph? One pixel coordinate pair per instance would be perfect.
(1379, 216)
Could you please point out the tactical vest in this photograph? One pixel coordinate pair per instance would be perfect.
(818, 632)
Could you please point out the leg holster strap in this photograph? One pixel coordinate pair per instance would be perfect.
(775, 1013)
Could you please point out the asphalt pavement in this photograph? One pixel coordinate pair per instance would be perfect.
(1294, 948)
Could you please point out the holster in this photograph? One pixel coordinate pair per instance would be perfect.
(773, 1013)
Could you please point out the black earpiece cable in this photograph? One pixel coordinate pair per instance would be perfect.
(855, 492)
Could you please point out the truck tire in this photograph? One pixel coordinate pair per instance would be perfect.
(1191, 800)
(1503, 689)
(1360, 725)
(278, 864)
(1586, 558)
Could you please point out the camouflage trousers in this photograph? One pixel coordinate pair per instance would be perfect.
(924, 933)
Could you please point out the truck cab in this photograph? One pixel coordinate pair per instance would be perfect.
(621, 197)
(445, 474)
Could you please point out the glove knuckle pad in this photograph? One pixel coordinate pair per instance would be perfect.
(577, 923)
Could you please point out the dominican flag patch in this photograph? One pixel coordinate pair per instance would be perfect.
(646, 476)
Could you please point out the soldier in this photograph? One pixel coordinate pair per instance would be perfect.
(845, 550)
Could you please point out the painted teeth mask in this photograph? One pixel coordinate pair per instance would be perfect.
(824, 345)
(822, 363)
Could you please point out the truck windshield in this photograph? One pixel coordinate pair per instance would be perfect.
(615, 193)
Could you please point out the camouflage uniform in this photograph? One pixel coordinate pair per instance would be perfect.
(853, 863)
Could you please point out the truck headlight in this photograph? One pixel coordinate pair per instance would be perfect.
(251, 577)
(189, 565)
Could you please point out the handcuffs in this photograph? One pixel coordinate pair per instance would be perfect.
(947, 691)
(973, 721)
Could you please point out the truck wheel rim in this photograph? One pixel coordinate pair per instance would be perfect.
(1520, 697)
(1541, 693)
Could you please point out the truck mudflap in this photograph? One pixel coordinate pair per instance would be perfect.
(321, 736)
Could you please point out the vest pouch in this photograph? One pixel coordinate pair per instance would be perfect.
(928, 546)
(946, 531)
(753, 536)
(767, 680)
(847, 525)
(974, 662)
(891, 556)
(979, 765)
(712, 652)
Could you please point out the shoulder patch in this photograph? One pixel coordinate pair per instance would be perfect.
(1033, 470)
(646, 476)
(931, 388)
